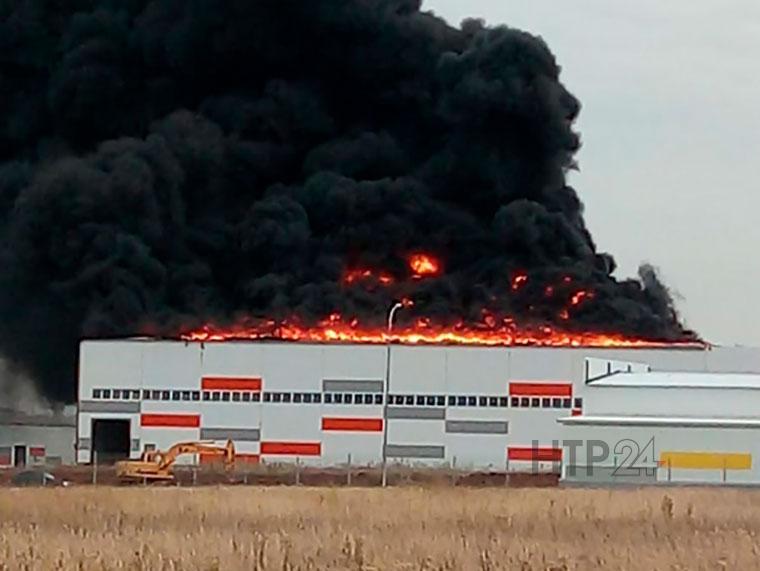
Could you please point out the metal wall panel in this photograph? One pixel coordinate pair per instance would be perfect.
(232, 359)
(231, 414)
(171, 365)
(542, 364)
(416, 413)
(363, 448)
(128, 407)
(359, 362)
(236, 434)
(477, 427)
(109, 364)
(673, 402)
(416, 431)
(291, 367)
(477, 370)
(420, 370)
(354, 386)
(418, 451)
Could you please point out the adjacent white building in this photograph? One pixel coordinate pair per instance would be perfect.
(655, 427)
(473, 407)
(37, 439)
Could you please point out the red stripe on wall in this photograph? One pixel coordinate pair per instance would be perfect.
(541, 389)
(538, 454)
(576, 412)
(37, 451)
(247, 458)
(292, 448)
(231, 383)
(5, 460)
(171, 420)
(352, 424)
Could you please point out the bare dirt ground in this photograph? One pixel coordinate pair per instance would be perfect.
(288, 474)
(406, 528)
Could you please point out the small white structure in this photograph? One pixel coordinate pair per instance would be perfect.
(37, 439)
(659, 427)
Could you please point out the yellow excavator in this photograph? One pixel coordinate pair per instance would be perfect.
(156, 465)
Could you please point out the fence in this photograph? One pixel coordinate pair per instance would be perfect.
(299, 473)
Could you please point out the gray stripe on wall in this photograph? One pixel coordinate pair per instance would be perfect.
(109, 406)
(351, 386)
(242, 434)
(414, 451)
(416, 413)
(609, 475)
(135, 445)
(85, 443)
(477, 427)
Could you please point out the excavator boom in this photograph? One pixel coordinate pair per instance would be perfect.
(157, 465)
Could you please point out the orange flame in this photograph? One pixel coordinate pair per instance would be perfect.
(424, 265)
(519, 280)
(361, 275)
(581, 295)
(491, 332)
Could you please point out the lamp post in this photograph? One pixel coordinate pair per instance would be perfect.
(386, 390)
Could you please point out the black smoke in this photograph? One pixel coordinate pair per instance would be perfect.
(166, 163)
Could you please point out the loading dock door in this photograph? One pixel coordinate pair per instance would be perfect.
(19, 456)
(110, 440)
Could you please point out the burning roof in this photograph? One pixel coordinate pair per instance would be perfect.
(173, 170)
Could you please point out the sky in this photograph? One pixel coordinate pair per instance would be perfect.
(670, 124)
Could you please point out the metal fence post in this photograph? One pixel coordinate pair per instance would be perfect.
(94, 467)
(506, 471)
(298, 471)
(348, 475)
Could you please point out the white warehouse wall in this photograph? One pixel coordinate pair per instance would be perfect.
(316, 429)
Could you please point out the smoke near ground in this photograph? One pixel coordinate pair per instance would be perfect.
(167, 163)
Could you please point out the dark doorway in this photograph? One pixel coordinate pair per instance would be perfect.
(19, 456)
(110, 440)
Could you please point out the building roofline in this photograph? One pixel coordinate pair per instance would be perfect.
(685, 422)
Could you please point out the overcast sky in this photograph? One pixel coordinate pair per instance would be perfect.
(670, 163)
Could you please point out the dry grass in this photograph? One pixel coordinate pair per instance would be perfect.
(239, 528)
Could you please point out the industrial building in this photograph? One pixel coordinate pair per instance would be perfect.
(37, 439)
(654, 427)
(473, 407)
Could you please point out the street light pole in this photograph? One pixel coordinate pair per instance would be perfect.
(386, 391)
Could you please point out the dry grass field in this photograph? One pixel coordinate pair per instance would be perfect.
(286, 528)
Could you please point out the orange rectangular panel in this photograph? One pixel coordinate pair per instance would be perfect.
(292, 448)
(352, 424)
(171, 420)
(231, 383)
(534, 454)
(247, 458)
(564, 390)
(576, 412)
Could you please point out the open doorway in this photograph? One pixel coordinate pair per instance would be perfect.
(110, 440)
(19, 456)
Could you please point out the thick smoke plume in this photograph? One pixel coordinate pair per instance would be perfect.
(168, 163)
